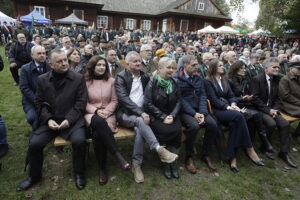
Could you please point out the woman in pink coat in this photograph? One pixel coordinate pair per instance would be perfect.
(102, 103)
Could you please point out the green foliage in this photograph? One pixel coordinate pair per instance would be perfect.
(6, 6)
(278, 15)
(223, 5)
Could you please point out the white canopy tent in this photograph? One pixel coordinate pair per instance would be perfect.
(5, 18)
(227, 30)
(208, 29)
(259, 32)
(71, 19)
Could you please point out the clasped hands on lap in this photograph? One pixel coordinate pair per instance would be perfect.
(233, 106)
(200, 118)
(53, 125)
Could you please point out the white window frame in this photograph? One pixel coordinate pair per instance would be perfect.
(201, 6)
(102, 21)
(130, 23)
(147, 25)
(82, 15)
(164, 25)
(39, 8)
(186, 20)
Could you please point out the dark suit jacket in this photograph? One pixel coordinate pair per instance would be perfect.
(149, 67)
(28, 81)
(218, 98)
(118, 68)
(68, 102)
(259, 89)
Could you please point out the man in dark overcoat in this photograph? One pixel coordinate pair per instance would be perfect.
(61, 100)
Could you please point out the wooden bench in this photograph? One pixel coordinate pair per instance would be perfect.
(289, 118)
(121, 134)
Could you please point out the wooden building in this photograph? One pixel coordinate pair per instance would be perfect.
(165, 15)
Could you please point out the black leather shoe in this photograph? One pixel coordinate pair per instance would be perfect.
(103, 178)
(79, 181)
(27, 184)
(167, 170)
(285, 157)
(3, 150)
(259, 162)
(233, 169)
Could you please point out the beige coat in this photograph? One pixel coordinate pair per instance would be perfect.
(289, 93)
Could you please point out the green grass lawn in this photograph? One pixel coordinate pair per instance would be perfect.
(275, 181)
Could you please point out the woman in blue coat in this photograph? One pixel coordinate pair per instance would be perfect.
(225, 109)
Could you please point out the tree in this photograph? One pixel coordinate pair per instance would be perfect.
(6, 7)
(278, 15)
(223, 5)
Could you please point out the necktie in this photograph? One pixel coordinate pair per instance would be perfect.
(40, 69)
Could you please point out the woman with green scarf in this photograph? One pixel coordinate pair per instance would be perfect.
(162, 102)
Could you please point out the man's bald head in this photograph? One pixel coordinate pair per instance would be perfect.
(38, 54)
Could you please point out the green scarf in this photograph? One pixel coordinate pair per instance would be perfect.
(166, 84)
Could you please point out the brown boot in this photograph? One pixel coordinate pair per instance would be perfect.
(189, 165)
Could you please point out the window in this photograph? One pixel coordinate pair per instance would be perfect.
(41, 10)
(164, 25)
(102, 21)
(130, 24)
(200, 6)
(147, 25)
(79, 13)
(184, 25)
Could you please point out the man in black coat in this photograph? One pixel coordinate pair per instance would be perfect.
(28, 80)
(264, 88)
(19, 54)
(61, 100)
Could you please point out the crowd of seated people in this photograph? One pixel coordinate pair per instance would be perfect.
(161, 90)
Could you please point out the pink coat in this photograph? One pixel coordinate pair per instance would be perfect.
(102, 95)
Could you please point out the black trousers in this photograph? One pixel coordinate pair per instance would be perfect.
(193, 128)
(283, 129)
(39, 141)
(15, 73)
(103, 140)
(255, 123)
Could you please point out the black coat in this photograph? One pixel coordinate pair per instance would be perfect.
(158, 103)
(68, 101)
(240, 88)
(20, 54)
(123, 87)
(259, 89)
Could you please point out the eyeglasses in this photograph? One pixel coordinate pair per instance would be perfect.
(275, 67)
(194, 65)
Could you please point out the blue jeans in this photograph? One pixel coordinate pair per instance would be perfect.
(32, 118)
(143, 133)
(2, 132)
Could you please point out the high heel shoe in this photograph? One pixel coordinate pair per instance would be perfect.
(259, 162)
(125, 166)
(233, 168)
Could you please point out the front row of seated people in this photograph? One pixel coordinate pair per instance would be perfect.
(156, 108)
